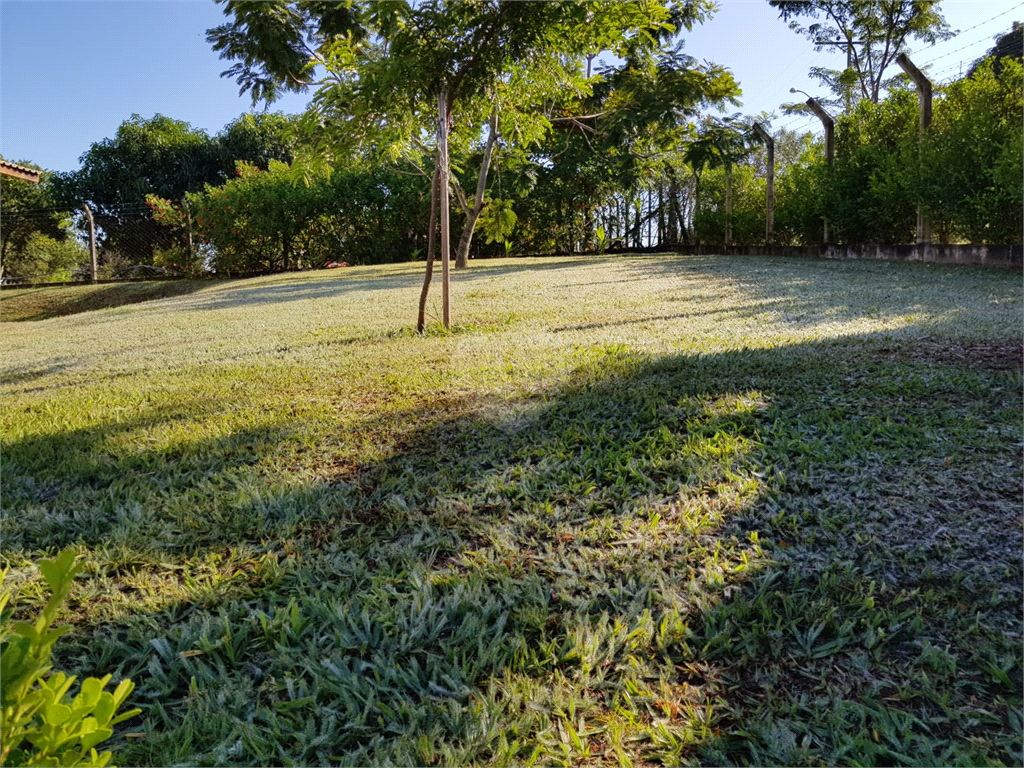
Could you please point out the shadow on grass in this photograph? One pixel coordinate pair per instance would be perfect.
(287, 288)
(44, 303)
(734, 558)
(806, 293)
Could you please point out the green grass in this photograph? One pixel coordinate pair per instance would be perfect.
(19, 304)
(631, 510)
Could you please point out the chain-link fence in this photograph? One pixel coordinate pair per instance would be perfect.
(46, 245)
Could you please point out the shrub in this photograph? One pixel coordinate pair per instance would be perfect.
(40, 723)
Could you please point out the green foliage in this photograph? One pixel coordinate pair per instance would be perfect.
(799, 198)
(159, 156)
(882, 27)
(966, 173)
(34, 235)
(302, 216)
(970, 176)
(748, 211)
(42, 724)
(165, 158)
(497, 220)
(257, 139)
(869, 196)
(45, 256)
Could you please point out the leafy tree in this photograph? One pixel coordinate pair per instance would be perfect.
(971, 170)
(1009, 45)
(396, 70)
(159, 156)
(256, 139)
(719, 143)
(877, 31)
(748, 206)
(34, 236)
(277, 44)
(594, 170)
(297, 216)
(870, 194)
(799, 196)
(44, 256)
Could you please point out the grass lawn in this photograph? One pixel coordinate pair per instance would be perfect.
(632, 510)
(18, 304)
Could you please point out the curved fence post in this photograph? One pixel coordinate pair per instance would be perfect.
(924, 98)
(93, 261)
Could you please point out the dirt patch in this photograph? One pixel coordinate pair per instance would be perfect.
(991, 357)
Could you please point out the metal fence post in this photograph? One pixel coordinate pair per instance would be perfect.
(93, 261)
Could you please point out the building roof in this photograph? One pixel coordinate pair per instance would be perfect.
(19, 171)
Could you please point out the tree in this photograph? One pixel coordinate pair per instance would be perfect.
(720, 143)
(875, 32)
(973, 155)
(35, 228)
(158, 156)
(256, 139)
(288, 217)
(1009, 45)
(870, 194)
(383, 68)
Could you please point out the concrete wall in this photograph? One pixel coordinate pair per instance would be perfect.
(1007, 256)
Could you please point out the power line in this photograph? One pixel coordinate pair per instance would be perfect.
(986, 21)
(786, 68)
(975, 42)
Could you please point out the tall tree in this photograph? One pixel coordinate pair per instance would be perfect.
(1009, 45)
(256, 139)
(497, 64)
(31, 219)
(875, 32)
(158, 156)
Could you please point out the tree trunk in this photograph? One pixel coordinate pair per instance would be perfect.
(728, 203)
(696, 207)
(462, 254)
(639, 223)
(431, 242)
(661, 214)
(673, 207)
(625, 222)
(442, 188)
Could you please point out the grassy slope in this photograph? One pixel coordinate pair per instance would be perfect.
(633, 510)
(19, 304)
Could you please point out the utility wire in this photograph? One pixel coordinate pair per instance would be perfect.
(968, 45)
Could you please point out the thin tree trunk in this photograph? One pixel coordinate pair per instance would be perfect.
(473, 214)
(728, 203)
(696, 207)
(431, 242)
(661, 214)
(626, 222)
(673, 207)
(442, 156)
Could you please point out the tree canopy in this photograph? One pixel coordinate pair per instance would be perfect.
(877, 31)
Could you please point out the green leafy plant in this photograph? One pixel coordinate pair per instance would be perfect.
(40, 723)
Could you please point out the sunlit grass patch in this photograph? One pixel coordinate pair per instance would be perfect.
(632, 510)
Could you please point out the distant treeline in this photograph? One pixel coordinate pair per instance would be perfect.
(257, 203)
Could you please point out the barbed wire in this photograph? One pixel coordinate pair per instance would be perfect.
(973, 42)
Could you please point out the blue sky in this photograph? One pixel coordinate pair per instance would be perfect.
(71, 72)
